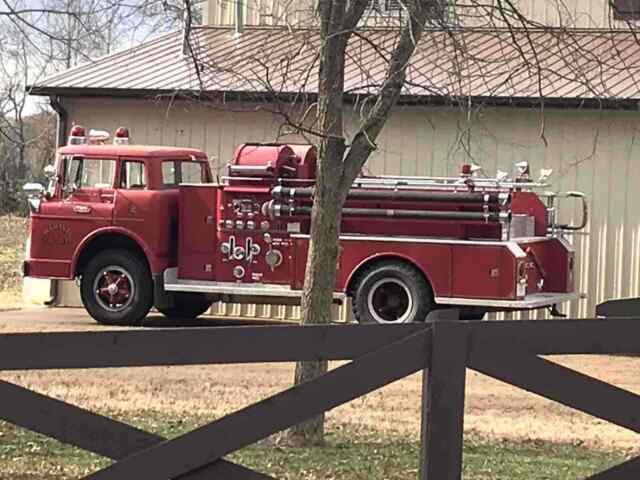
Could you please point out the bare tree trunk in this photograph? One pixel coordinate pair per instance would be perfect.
(326, 213)
(326, 216)
(336, 171)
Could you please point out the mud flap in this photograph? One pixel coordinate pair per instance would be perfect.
(554, 312)
(161, 298)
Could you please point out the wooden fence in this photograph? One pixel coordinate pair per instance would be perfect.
(507, 351)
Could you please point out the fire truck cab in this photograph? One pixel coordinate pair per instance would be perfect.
(144, 226)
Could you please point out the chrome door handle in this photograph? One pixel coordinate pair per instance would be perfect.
(81, 209)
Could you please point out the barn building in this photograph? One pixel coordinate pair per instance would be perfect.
(564, 97)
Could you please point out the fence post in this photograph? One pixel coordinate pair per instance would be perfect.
(443, 391)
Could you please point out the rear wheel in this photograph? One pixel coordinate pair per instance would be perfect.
(187, 305)
(116, 288)
(391, 292)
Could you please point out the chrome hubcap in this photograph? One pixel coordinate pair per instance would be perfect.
(390, 301)
(114, 288)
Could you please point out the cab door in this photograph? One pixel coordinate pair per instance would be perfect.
(88, 194)
(81, 205)
(134, 198)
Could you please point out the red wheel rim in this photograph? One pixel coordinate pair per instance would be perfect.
(114, 288)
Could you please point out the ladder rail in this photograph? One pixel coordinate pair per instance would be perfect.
(427, 183)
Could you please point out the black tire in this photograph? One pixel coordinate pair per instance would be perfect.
(132, 295)
(391, 292)
(187, 305)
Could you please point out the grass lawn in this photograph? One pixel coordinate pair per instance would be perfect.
(13, 231)
(348, 456)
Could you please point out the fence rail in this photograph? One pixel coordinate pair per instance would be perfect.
(443, 350)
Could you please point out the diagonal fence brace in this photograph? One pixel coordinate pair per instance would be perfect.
(561, 384)
(245, 427)
(566, 386)
(93, 432)
(625, 471)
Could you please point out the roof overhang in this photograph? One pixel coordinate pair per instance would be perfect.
(227, 67)
(404, 100)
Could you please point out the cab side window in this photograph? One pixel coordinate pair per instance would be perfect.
(169, 173)
(72, 170)
(88, 173)
(97, 173)
(133, 175)
(192, 172)
(175, 172)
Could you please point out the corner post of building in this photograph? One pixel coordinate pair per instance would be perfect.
(443, 394)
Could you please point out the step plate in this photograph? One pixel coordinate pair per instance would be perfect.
(174, 284)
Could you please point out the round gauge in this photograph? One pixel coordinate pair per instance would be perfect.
(238, 272)
(238, 253)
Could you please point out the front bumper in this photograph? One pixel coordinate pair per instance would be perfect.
(51, 269)
(529, 302)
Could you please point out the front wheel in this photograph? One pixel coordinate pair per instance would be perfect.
(187, 305)
(391, 292)
(116, 288)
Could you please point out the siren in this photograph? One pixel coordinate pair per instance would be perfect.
(77, 136)
(467, 169)
(121, 137)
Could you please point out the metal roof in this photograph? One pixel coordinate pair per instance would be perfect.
(570, 66)
(132, 150)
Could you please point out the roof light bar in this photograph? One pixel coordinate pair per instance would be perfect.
(77, 136)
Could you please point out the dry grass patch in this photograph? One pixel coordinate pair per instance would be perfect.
(13, 233)
(493, 410)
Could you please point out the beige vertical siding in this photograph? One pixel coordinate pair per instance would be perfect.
(260, 12)
(590, 150)
(567, 13)
(558, 13)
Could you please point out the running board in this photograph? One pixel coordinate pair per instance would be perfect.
(174, 284)
(534, 300)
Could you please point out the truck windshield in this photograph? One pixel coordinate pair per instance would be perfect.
(175, 172)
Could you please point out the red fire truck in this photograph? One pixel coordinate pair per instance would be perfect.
(144, 226)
